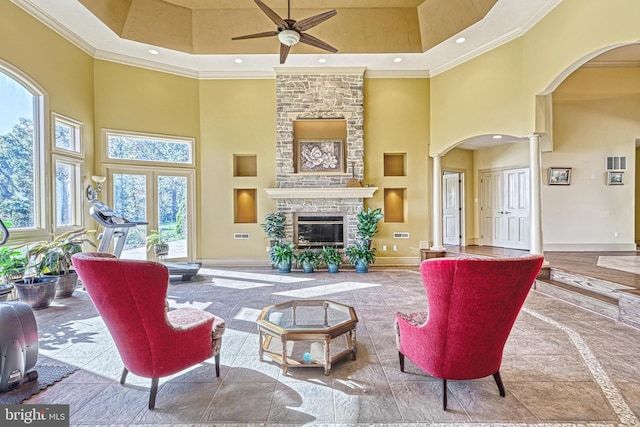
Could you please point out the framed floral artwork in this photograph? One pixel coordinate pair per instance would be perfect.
(320, 156)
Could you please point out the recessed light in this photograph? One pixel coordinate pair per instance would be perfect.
(398, 59)
(322, 60)
(153, 52)
(460, 40)
(497, 136)
(238, 61)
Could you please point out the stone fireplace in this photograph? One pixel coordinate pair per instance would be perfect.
(320, 116)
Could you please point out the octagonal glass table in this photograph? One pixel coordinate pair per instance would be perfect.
(307, 333)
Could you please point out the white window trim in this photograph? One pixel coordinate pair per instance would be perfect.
(77, 140)
(77, 190)
(41, 130)
(170, 138)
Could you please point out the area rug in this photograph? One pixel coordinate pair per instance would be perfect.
(47, 375)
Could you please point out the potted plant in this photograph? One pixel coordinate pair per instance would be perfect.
(307, 259)
(53, 258)
(281, 254)
(331, 257)
(156, 241)
(368, 223)
(361, 255)
(273, 226)
(13, 264)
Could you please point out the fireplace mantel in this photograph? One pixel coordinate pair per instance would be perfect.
(321, 193)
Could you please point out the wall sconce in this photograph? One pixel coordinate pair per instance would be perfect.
(93, 192)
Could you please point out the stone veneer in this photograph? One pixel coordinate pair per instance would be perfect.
(304, 95)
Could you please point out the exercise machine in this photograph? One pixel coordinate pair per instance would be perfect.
(116, 229)
(18, 340)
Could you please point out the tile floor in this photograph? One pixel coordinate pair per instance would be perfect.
(562, 366)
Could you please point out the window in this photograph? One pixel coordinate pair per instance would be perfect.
(148, 148)
(67, 192)
(67, 135)
(21, 200)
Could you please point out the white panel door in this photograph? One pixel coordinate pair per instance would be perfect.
(504, 208)
(451, 209)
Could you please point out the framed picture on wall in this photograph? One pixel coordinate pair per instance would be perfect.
(615, 178)
(559, 176)
(320, 156)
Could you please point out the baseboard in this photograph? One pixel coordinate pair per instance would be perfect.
(589, 247)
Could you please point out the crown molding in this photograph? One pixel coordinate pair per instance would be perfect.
(319, 70)
(612, 64)
(397, 74)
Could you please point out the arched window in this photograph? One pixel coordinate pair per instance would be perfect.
(21, 151)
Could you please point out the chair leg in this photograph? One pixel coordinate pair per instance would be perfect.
(496, 377)
(153, 392)
(218, 365)
(444, 394)
(401, 356)
(123, 378)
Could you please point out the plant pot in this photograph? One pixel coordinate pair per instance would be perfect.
(362, 267)
(333, 268)
(67, 284)
(161, 249)
(37, 293)
(307, 268)
(5, 291)
(284, 267)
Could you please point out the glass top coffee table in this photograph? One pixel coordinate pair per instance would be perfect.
(307, 333)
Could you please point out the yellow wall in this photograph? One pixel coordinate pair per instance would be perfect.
(62, 70)
(397, 121)
(495, 93)
(596, 114)
(236, 117)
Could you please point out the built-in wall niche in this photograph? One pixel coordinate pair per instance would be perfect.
(245, 205)
(395, 164)
(320, 146)
(245, 165)
(394, 204)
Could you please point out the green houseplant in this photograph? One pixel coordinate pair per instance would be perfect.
(368, 223)
(361, 255)
(156, 241)
(13, 264)
(281, 254)
(273, 226)
(307, 259)
(331, 257)
(53, 258)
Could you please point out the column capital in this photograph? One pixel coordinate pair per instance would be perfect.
(534, 135)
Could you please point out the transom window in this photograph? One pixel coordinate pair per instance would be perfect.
(67, 135)
(148, 148)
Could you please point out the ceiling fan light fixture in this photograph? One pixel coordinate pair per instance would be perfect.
(289, 37)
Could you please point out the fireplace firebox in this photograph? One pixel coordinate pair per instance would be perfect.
(315, 231)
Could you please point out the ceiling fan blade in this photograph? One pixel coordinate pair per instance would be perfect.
(256, 35)
(271, 14)
(284, 52)
(312, 21)
(316, 42)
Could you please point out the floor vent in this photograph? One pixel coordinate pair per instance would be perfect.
(240, 236)
(400, 235)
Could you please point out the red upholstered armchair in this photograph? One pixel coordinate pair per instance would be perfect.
(473, 304)
(130, 296)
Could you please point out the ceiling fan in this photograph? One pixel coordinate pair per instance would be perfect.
(291, 31)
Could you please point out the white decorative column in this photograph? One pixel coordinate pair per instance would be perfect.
(436, 202)
(535, 164)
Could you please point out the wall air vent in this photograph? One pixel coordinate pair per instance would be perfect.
(616, 163)
(240, 236)
(400, 235)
